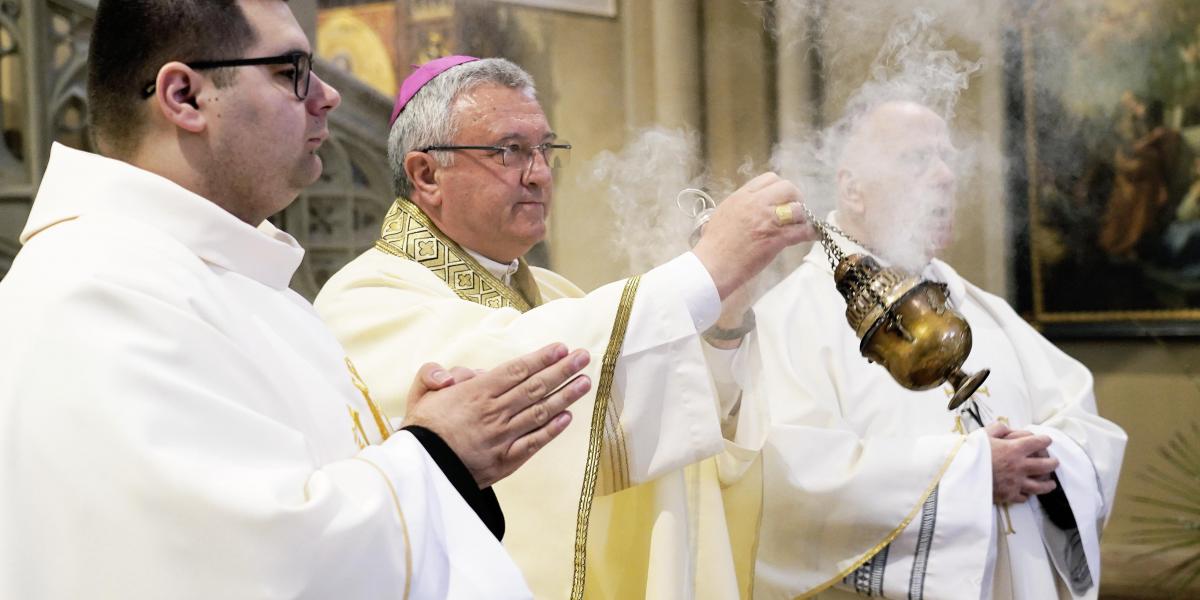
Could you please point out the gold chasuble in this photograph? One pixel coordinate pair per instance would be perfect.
(631, 500)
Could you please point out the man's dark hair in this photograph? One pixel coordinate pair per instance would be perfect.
(132, 39)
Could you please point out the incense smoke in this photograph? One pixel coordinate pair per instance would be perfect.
(912, 65)
(641, 183)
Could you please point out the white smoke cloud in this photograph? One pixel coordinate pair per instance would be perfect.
(641, 182)
(913, 63)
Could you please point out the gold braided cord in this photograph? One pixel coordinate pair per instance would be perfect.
(409, 233)
(756, 471)
(381, 420)
(408, 568)
(596, 434)
(861, 560)
(618, 453)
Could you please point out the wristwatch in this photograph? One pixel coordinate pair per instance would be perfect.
(725, 335)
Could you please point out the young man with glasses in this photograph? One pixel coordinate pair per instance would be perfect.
(632, 507)
(177, 423)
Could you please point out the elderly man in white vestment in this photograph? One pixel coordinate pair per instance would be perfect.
(874, 490)
(620, 511)
(174, 421)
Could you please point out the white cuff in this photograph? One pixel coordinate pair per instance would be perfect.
(720, 365)
(686, 278)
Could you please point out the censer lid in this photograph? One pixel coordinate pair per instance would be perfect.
(869, 289)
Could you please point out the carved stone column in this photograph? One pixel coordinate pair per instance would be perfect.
(797, 71)
(739, 80)
(679, 95)
(8, 250)
(306, 14)
(43, 53)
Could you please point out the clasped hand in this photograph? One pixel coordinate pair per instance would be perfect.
(496, 420)
(1021, 466)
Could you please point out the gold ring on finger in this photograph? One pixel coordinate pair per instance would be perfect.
(783, 212)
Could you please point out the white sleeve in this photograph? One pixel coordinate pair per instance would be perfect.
(685, 278)
(720, 364)
(159, 461)
(445, 542)
(1082, 487)
(668, 405)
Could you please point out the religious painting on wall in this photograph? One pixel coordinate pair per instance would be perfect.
(361, 39)
(603, 8)
(1104, 100)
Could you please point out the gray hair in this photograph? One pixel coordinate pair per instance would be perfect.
(430, 119)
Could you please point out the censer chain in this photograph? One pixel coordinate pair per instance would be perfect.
(832, 250)
(835, 255)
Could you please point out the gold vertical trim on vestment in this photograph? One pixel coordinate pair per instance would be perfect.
(408, 569)
(860, 561)
(596, 434)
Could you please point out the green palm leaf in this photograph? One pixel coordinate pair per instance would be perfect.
(1174, 520)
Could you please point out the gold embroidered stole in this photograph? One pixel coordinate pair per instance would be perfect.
(409, 233)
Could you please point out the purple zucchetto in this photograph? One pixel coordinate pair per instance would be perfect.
(423, 75)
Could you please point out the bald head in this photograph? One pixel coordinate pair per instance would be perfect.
(896, 181)
(893, 135)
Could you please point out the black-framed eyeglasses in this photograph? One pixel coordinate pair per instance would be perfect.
(520, 156)
(301, 74)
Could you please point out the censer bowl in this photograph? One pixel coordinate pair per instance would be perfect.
(906, 325)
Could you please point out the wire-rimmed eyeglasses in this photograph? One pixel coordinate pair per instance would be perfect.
(301, 74)
(556, 154)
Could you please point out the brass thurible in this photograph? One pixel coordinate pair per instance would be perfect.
(904, 323)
